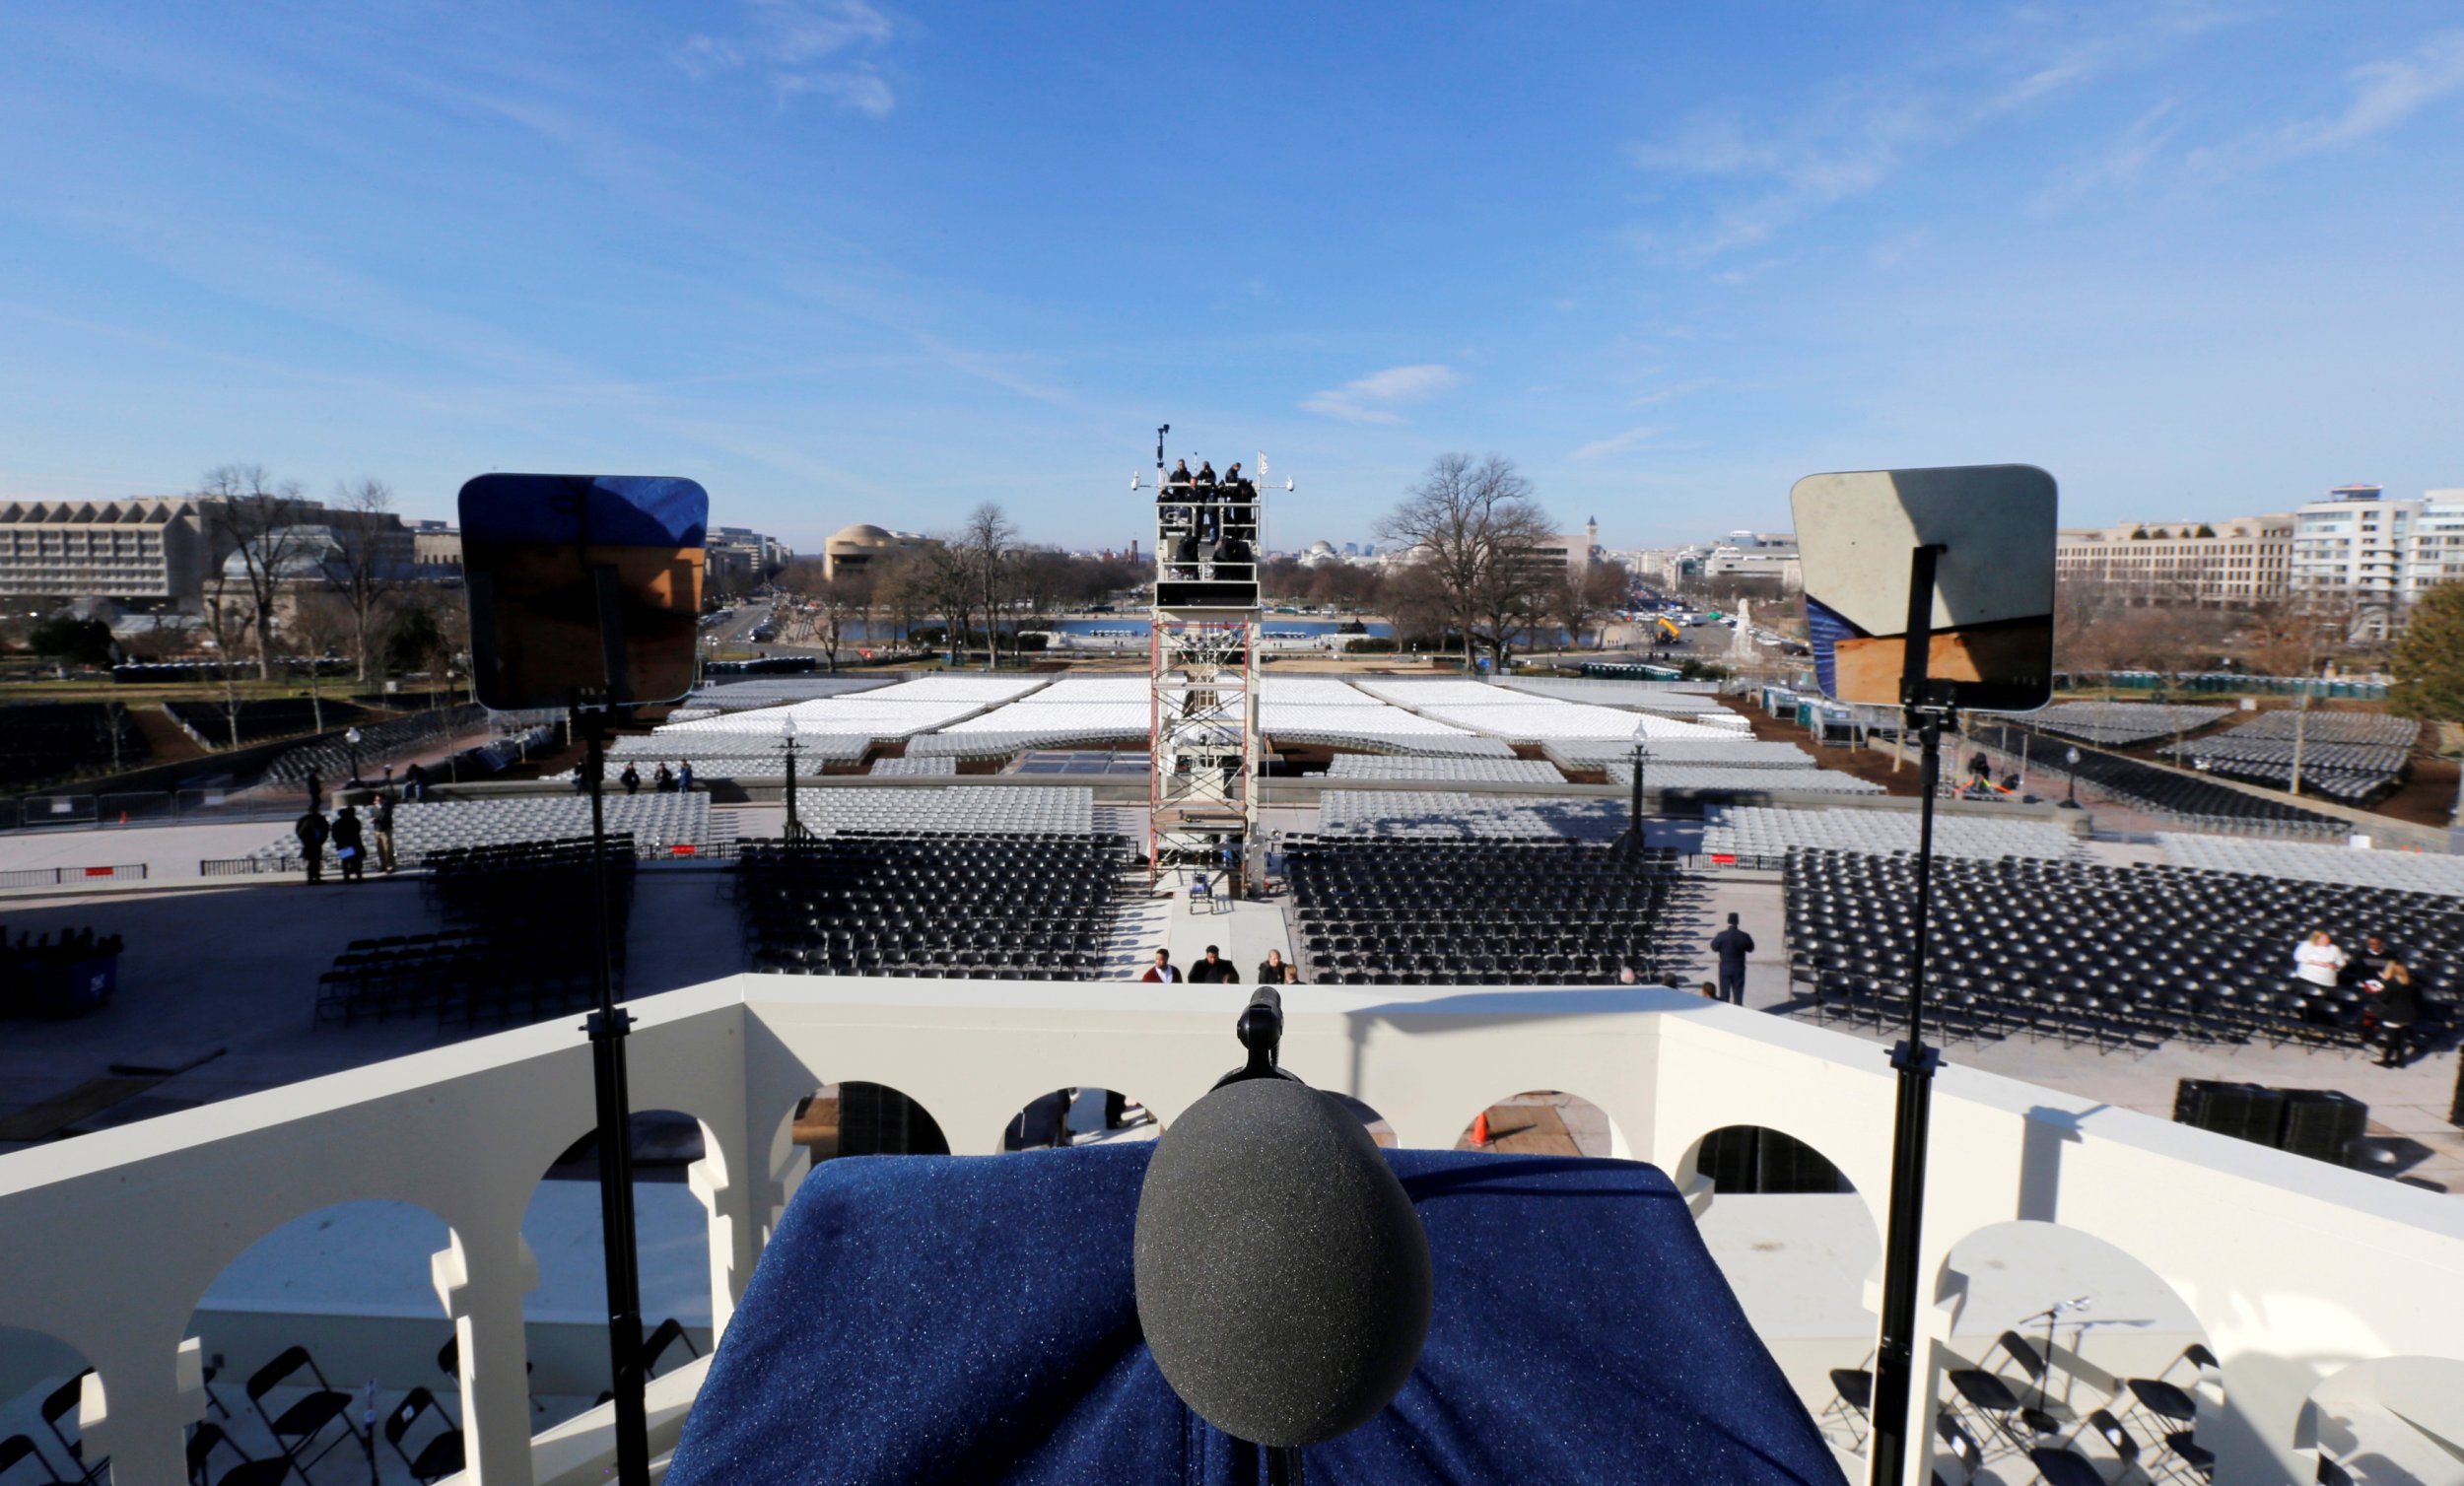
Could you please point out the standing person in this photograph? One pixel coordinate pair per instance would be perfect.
(381, 820)
(1271, 969)
(1732, 945)
(350, 849)
(2319, 965)
(1215, 970)
(1291, 974)
(311, 830)
(415, 784)
(631, 778)
(2399, 1006)
(663, 782)
(1162, 970)
(684, 778)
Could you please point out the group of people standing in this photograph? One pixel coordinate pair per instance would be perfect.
(2392, 1004)
(1215, 970)
(665, 781)
(352, 836)
(1214, 519)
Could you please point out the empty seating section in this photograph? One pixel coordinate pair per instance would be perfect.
(1495, 912)
(2165, 791)
(1091, 761)
(1456, 815)
(776, 690)
(1675, 698)
(1362, 765)
(1525, 716)
(2100, 954)
(916, 767)
(2351, 757)
(1710, 778)
(209, 722)
(1379, 727)
(2401, 871)
(519, 920)
(961, 810)
(902, 709)
(654, 823)
(1596, 753)
(2122, 724)
(330, 758)
(1028, 906)
(44, 740)
(1753, 830)
(739, 756)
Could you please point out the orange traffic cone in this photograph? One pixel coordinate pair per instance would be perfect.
(1480, 1128)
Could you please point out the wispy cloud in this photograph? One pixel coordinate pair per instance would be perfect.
(1370, 399)
(1618, 443)
(803, 46)
(2384, 94)
(2119, 164)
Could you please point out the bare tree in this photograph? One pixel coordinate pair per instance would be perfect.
(1582, 598)
(366, 576)
(319, 625)
(946, 584)
(1477, 529)
(251, 519)
(987, 547)
(226, 613)
(899, 591)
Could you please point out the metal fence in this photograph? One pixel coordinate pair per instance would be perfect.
(160, 807)
(52, 877)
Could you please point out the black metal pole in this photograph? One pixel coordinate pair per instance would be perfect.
(1634, 808)
(1925, 702)
(607, 1027)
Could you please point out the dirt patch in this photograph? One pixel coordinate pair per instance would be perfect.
(1864, 763)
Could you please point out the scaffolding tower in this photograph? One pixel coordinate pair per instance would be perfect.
(1206, 756)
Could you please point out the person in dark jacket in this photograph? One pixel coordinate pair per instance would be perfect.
(1215, 970)
(2399, 1006)
(1732, 945)
(1163, 970)
(415, 784)
(311, 830)
(631, 778)
(350, 846)
(1271, 969)
(1180, 473)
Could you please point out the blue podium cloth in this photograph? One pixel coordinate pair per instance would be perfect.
(971, 1318)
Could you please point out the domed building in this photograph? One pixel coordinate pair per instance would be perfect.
(853, 549)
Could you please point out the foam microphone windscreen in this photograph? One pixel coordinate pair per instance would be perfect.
(1283, 1278)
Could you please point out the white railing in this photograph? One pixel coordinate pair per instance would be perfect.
(2294, 1270)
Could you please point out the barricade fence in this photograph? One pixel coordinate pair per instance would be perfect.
(273, 863)
(160, 807)
(46, 877)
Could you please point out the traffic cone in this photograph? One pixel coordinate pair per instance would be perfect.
(1480, 1128)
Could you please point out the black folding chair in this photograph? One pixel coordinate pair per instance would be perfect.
(441, 1455)
(2116, 1439)
(202, 1442)
(1962, 1444)
(1988, 1395)
(2061, 1465)
(1852, 1401)
(668, 1333)
(61, 1403)
(16, 1450)
(2186, 1449)
(304, 1424)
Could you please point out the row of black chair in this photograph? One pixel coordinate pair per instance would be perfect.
(1546, 911)
(1028, 906)
(2165, 791)
(2100, 954)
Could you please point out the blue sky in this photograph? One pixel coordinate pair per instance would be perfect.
(846, 261)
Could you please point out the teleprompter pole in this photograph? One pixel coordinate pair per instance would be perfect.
(607, 1027)
(1925, 702)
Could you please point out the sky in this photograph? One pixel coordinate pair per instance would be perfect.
(842, 260)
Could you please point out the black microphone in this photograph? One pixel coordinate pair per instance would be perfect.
(1283, 1278)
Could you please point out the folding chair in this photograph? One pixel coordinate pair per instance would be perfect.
(15, 1451)
(441, 1455)
(303, 1423)
(1960, 1444)
(61, 1403)
(1852, 1400)
(667, 1334)
(201, 1444)
(2061, 1465)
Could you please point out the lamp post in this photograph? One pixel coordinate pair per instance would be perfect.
(2070, 762)
(1634, 810)
(351, 737)
(795, 828)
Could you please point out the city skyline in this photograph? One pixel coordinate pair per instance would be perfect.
(844, 263)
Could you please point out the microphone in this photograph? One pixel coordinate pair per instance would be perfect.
(1282, 1279)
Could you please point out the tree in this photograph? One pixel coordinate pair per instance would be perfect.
(1581, 598)
(945, 583)
(366, 576)
(72, 641)
(2429, 665)
(987, 547)
(320, 624)
(250, 521)
(1475, 528)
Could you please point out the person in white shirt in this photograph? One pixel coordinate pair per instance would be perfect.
(2318, 961)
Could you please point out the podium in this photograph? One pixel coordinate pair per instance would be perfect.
(971, 1318)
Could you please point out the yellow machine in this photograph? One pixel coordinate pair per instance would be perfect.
(1667, 627)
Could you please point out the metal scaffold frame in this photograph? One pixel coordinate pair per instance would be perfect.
(1203, 667)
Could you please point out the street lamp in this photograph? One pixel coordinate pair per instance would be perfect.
(351, 736)
(2070, 761)
(1634, 813)
(795, 828)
